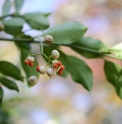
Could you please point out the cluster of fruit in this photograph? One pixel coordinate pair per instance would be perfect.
(54, 66)
(29, 61)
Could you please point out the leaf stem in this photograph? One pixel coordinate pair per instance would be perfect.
(42, 32)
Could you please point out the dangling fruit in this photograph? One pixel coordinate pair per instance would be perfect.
(32, 80)
(42, 69)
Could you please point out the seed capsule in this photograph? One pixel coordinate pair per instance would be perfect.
(54, 61)
(31, 63)
(60, 72)
(26, 62)
(59, 63)
(42, 69)
(48, 39)
(55, 66)
(62, 67)
(55, 54)
(50, 72)
(37, 68)
(32, 80)
(30, 58)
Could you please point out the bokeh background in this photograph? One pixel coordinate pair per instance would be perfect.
(59, 100)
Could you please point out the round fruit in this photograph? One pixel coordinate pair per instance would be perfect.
(55, 54)
(55, 66)
(50, 72)
(62, 67)
(42, 69)
(26, 62)
(37, 68)
(31, 63)
(59, 63)
(30, 58)
(54, 61)
(32, 80)
(60, 72)
(48, 39)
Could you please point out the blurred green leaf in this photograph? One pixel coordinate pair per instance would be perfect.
(62, 58)
(6, 7)
(46, 13)
(117, 47)
(18, 4)
(36, 20)
(113, 74)
(29, 71)
(1, 96)
(11, 70)
(14, 25)
(119, 84)
(117, 50)
(66, 33)
(88, 43)
(23, 45)
(9, 84)
(80, 72)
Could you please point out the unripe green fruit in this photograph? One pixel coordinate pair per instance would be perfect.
(1, 27)
(48, 39)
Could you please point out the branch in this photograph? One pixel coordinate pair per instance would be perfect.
(12, 14)
(68, 45)
(20, 40)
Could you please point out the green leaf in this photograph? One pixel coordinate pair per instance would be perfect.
(119, 85)
(86, 43)
(62, 58)
(1, 96)
(13, 26)
(117, 50)
(11, 70)
(113, 74)
(46, 13)
(66, 33)
(36, 20)
(29, 71)
(117, 47)
(18, 4)
(9, 84)
(6, 7)
(80, 72)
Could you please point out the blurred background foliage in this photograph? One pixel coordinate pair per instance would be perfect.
(61, 101)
